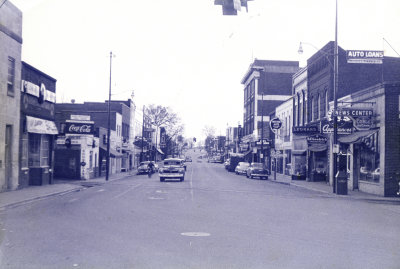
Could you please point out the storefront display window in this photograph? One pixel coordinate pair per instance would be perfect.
(369, 164)
(38, 150)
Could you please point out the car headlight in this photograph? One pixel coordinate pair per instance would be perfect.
(160, 170)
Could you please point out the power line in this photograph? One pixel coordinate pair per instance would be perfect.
(3, 3)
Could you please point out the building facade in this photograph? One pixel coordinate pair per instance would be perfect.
(266, 85)
(10, 81)
(38, 130)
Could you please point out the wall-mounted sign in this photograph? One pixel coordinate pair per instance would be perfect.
(305, 130)
(80, 117)
(38, 91)
(365, 56)
(79, 128)
(317, 139)
(275, 124)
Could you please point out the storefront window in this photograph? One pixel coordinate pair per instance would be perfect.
(369, 163)
(44, 151)
(34, 150)
(38, 150)
(24, 152)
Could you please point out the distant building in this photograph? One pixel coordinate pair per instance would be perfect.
(10, 81)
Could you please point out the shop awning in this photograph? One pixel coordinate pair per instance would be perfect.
(40, 126)
(299, 151)
(160, 151)
(317, 147)
(356, 136)
(113, 153)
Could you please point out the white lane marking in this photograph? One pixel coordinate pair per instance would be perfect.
(128, 190)
(156, 198)
(159, 191)
(72, 200)
(101, 190)
(195, 234)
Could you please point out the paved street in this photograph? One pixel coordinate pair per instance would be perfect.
(214, 219)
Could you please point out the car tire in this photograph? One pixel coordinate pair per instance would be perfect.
(182, 179)
(247, 175)
(162, 179)
(251, 176)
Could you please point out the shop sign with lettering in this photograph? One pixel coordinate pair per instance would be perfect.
(79, 128)
(317, 139)
(344, 127)
(305, 130)
(265, 142)
(365, 56)
(362, 118)
(275, 124)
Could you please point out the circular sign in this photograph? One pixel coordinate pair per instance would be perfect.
(275, 124)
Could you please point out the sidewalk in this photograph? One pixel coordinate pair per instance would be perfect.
(323, 187)
(59, 187)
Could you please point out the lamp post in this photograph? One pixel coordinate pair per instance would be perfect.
(262, 128)
(335, 90)
(141, 154)
(108, 124)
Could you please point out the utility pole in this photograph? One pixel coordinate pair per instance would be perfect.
(109, 125)
(141, 154)
(335, 89)
(262, 128)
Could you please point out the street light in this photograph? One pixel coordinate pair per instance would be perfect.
(108, 124)
(335, 89)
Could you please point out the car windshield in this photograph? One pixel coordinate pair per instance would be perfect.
(144, 163)
(257, 165)
(172, 162)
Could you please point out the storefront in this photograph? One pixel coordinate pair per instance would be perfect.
(37, 127)
(317, 157)
(77, 150)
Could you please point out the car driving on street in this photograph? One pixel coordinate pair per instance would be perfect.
(172, 168)
(144, 167)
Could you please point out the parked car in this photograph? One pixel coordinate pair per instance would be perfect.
(241, 168)
(227, 163)
(257, 170)
(188, 159)
(172, 168)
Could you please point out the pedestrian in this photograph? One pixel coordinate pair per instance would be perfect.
(150, 169)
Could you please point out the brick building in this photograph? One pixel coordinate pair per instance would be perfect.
(38, 130)
(267, 84)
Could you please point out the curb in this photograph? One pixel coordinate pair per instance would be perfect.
(39, 198)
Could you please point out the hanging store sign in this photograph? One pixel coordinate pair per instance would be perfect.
(79, 128)
(362, 118)
(265, 142)
(317, 139)
(38, 91)
(304, 130)
(365, 56)
(343, 127)
(275, 124)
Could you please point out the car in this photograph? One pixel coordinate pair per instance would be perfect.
(172, 168)
(257, 170)
(183, 162)
(227, 163)
(241, 168)
(188, 159)
(143, 167)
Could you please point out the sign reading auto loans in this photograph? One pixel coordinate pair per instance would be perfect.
(79, 128)
(365, 56)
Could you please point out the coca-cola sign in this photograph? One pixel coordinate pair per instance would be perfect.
(79, 128)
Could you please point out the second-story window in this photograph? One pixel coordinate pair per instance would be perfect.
(11, 76)
(318, 107)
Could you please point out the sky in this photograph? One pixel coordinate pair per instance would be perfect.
(184, 54)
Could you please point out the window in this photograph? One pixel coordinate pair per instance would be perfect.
(34, 150)
(318, 107)
(300, 111)
(11, 76)
(44, 150)
(326, 102)
(24, 151)
(311, 109)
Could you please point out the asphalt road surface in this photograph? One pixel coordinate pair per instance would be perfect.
(214, 219)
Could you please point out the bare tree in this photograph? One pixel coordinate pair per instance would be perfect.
(161, 116)
(209, 131)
